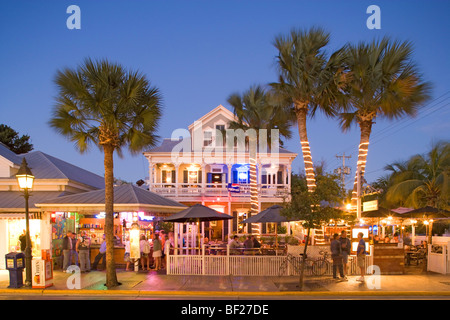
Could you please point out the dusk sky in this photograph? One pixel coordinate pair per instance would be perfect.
(199, 52)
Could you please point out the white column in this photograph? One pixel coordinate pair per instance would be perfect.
(150, 174)
(203, 178)
(177, 166)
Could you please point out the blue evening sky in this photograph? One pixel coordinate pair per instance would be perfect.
(199, 52)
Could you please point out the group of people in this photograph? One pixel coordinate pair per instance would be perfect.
(250, 243)
(77, 249)
(145, 246)
(340, 250)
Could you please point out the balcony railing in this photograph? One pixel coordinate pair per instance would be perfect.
(217, 190)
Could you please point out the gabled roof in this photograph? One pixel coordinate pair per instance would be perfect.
(167, 145)
(219, 109)
(124, 195)
(45, 166)
(6, 153)
(14, 201)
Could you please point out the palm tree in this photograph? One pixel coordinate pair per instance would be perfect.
(384, 82)
(309, 81)
(103, 104)
(257, 109)
(424, 180)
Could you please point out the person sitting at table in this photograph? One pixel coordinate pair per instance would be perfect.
(248, 245)
(256, 243)
(376, 239)
(234, 244)
(407, 240)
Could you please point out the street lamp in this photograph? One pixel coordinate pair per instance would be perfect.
(25, 179)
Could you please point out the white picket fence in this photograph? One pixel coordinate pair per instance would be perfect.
(248, 265)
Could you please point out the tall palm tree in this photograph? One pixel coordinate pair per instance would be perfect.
(100, 103)
(424, 180)
(258, 109)
(309, 80)
(384, 82)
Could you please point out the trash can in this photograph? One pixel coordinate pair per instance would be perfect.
(15, 263)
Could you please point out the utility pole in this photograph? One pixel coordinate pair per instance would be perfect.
(343, 171)
(358, 193)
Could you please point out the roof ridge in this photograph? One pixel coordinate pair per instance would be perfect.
(45, 156)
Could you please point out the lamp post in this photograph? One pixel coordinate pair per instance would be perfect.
(25, 179)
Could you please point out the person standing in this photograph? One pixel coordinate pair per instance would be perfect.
(157, 252)
(361, 255)
(23, 241)
(67, 250)
(345, 250)
(336, 255)
(127, 255)
(144, 247)
(74, 252)
(82, 246)
(101, 255)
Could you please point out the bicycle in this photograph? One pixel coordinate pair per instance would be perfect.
(318, 266)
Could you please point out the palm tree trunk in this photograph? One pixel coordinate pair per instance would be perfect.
(303, 264)
(254, 202)
(365, 128)
(302, 112)
(111, 277)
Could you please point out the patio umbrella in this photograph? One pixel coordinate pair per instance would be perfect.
(197, 213)
(381, 213)
(270, 215)
(428, 213)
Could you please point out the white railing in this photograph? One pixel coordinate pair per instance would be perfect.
(217, 190)
(439, 261)
(249, 265)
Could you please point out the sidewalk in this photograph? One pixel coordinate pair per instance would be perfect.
(154, 283)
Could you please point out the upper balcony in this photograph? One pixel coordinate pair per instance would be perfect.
(239, 192)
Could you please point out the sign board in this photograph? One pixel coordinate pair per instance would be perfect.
(42, 273)
(370, 205)
(233, 187)
(354, 238)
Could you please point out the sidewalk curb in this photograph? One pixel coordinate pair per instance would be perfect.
(84, 292)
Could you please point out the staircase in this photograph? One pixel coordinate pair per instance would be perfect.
(319, 238)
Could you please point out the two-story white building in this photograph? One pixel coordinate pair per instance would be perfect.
(207, 163)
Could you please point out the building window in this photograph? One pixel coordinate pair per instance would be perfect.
(207, 138)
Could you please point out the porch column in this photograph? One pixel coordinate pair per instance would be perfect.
(203, 178)
(177, 166)
(289, 169)
(259, 168)
(150, 173)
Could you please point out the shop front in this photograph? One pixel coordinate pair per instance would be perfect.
(12, 229)
(92, 224)
(84, 212)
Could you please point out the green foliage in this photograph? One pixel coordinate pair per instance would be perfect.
(421, 180)
(383, 81)
(11, 139)
(102, 103)
(259, 109)
(317, 207)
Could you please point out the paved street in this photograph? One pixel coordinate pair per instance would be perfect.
(158, 285)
